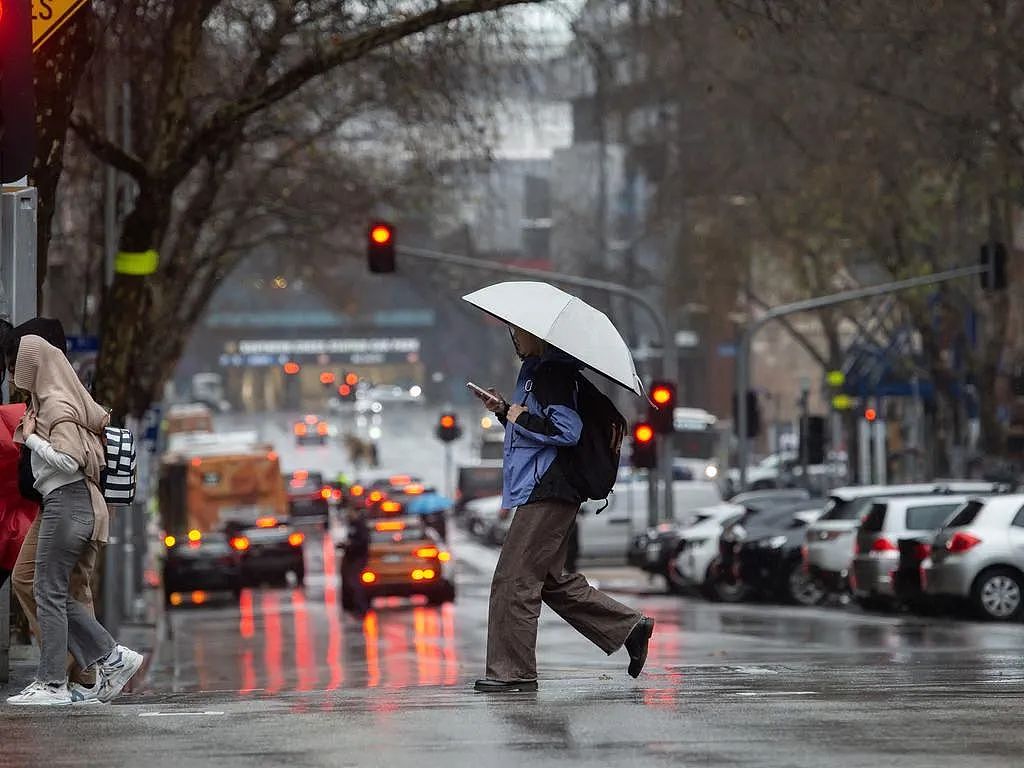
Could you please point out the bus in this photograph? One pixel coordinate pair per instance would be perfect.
(699, 445)
(213, 481)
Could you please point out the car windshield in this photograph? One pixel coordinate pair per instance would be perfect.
(853, 509)
(967, 515)
(265, 534)
(930, 517)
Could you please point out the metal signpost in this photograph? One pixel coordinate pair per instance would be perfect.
(17, 304)
(808, 305)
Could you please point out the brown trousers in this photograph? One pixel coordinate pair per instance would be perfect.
(531, 569)
(23, 577)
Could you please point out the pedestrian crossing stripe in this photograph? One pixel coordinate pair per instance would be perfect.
(137, 263)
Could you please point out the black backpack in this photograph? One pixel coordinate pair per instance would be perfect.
(592, 465)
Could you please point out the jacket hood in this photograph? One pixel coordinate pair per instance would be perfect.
(46, 328)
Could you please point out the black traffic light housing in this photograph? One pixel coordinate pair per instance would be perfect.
(17, 100)
(661, 411)
(448, 428)
(380, 247)
(753, 414)
(813, 440)
(644, 454)
(993, 257)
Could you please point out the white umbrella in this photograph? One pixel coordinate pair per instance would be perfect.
(563, 321)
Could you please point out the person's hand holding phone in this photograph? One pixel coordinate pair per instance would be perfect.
(492, 399)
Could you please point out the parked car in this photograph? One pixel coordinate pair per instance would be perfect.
(877, 551)
(610, 534)
(476, 481)
(829, 545)
(759, 555)
(978, 557)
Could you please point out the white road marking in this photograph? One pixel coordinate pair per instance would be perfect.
(775, 693)
(179, 714)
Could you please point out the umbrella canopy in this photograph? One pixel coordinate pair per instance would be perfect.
(427, 504)
(563, 321)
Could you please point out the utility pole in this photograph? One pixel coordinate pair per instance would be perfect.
(809, 305)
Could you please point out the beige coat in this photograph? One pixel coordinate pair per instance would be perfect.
(63, 412)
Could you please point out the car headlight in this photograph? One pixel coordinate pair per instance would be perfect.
(711, 471)
(776, 542)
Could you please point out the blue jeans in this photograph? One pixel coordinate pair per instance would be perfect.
(65, 531)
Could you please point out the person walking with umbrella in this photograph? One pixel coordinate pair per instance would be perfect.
(546, 433)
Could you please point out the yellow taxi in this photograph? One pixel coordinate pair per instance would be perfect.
(407, 558)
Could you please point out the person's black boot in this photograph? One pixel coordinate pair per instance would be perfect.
(636, 645)
(500, 686)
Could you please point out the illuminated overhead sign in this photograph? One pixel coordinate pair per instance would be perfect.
(378, 346)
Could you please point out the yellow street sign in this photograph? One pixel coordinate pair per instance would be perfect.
(49, 15)
(836, 378)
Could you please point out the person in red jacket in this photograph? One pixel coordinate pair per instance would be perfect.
(16, 512)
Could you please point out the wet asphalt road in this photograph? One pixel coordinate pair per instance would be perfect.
(285, 680)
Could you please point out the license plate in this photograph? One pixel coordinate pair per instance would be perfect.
(391, 559)
(653, 551)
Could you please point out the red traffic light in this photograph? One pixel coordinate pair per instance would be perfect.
(292, 368)
(344, 390)
(380, 234)
(870, 414)
(351, 379)
(447, 421)
(326, 378)
(661, 395)
(643, 433)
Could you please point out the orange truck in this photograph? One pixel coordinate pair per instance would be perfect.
(212, 481)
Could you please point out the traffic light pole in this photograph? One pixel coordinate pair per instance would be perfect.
(670, 356)
(809, 305)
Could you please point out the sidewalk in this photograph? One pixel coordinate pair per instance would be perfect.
(479, 560)
(142, 637)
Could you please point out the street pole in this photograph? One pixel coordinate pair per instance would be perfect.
(669, 360)
(808, 305)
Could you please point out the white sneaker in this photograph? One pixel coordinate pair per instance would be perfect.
(42, 695)
(81, 694)
(115, 673)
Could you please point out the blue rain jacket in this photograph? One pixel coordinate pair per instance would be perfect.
(532, 443)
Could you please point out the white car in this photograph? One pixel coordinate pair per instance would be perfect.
(690, 563)
(608, 535)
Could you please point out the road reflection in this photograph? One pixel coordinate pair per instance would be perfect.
(298, 640)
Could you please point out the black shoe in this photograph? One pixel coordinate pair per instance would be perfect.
(500, 686)
(636, 644)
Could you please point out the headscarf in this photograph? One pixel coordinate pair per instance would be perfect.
(62, 411)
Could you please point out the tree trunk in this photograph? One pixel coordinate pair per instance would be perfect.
(58, 69)
(124, 383)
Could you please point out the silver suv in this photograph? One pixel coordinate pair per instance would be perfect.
(829, 544)
(877, 551)
(978, 555)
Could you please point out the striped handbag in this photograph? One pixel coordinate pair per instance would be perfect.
(117, 478)
(117, 481)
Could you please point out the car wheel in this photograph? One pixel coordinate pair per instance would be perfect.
(725, 592)
(998, 594)
(802, 589)
(674, 580)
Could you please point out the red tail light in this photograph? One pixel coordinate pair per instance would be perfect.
(326, 493)
(240, 543)
(427, 552)
(322, 429)
(296, 539)
(961, 542)
(884, 545)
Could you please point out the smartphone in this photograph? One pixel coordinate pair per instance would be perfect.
(482, 392)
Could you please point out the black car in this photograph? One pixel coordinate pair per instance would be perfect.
(308, 497)
(653, 550)
(199, 567)
(311, 430)
(269, 554)
(759, 555)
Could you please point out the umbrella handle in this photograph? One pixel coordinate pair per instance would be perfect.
(643, 389)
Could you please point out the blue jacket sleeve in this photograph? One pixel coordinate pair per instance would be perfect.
(558, 425)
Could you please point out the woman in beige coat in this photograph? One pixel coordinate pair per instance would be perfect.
(63, 428)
